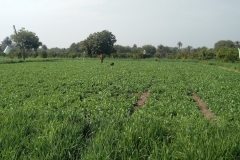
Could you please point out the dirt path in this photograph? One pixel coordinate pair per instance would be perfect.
(229, 69)
(203, 107)
(141, 102)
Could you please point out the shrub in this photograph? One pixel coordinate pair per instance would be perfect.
(227, 54)
(43, 54)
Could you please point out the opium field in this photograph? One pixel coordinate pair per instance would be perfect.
(82, 109)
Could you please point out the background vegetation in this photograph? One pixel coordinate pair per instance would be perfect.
(103, 43)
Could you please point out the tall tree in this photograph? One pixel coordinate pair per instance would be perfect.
(44, 47)
(26, 41)
(179, 44)
(99, 43)
(223, 43)
(189, 48)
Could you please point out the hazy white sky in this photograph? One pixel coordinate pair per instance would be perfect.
(59, 23)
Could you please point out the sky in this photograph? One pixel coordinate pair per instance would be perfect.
(59, 23)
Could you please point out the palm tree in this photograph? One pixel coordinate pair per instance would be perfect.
(189, 48)
(179, 44)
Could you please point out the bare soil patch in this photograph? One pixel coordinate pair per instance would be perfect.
(141, 102)
(229, 69)
(203, 107)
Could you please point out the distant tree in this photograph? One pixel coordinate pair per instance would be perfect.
(6, 42)
(226, 54)
(26, 40)
(99, 43)
(135, 49)
(237, 44)
(189, 48)
(223, 43)
(173, 50)
(163, 50)
(75, 47)
(179, 45)
(122, 49)
(44, 47)
(134, 46)
(43, 54)
(160, 49)
(150, 49)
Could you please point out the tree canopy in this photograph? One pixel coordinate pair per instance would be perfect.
(149, 49)
(179, 44)
(99, 43)
(223, 43)
(26, 40)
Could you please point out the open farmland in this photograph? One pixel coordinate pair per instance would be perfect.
(81, 109)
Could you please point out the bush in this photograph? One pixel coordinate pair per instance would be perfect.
(43, 54)
(227, 54)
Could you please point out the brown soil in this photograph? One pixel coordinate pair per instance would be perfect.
(141, 102)
(203, 107)
(229, 69)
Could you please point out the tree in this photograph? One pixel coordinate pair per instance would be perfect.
(44, 47)
(26, 41)
(223, 43)
(99, 43)
(43, 54)
(122, 49)
(160, 49)
(163, 50)
(189, 48)
(75, 47)
(226, 54)
(179, 44)
(6, 42)
(237, 44)
(150, 49)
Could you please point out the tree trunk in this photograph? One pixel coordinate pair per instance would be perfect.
(101, 58)
(23, 54)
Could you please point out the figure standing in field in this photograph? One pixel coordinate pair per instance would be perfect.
(101, 58)
(204, 54)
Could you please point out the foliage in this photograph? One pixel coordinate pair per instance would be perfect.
(150, 49)
(237, 44)
(75, 47)
(99, 43)
(122, 49)
(223, 43)
(179, 45)
(227, 54)
(44, 47)
(26, 41)
(43, 54)
(163, 50)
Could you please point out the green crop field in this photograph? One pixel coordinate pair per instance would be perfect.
(82, 109)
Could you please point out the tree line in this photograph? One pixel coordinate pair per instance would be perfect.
(25, 44)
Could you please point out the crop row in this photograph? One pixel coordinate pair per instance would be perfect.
(81, 109)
